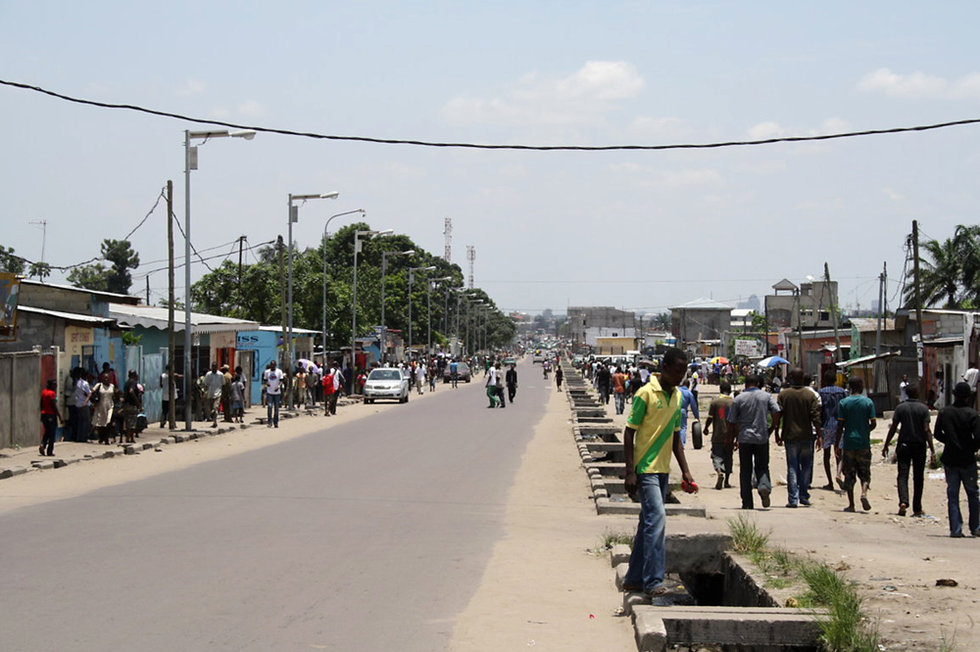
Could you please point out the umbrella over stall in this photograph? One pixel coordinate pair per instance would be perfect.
(771, 361)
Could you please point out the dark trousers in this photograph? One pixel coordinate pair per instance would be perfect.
(331, 405)
(500, 396)
(911, 456)
(511, 392)
(753, 460)
(72, 424)
(49, 421)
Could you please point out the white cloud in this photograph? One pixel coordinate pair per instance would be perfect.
(765, 130)
(918, 85)
(191, 87)
(651, 127)
(251, 108)
(893, 195)
(581, 97)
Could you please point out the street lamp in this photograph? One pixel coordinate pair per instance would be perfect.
(353, 311)
(411, 277)
(428, 310)
(469, 341)
(190, 163)
(293, 216)
(384, 324)
(324, 319)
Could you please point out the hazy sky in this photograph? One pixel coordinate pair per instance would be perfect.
(637, 230)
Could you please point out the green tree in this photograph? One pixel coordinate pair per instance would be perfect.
(116, 277)
(9, 262)
(40, 270)
(939, 278)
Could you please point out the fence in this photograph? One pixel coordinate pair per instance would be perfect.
(20, 398)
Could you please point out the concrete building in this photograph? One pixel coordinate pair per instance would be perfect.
(808, 305)
(700, 320)
(587, 324)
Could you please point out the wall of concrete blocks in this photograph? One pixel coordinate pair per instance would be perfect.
(20, 398)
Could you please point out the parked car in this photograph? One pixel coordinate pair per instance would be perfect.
(508, 361)
(386, 383)
(537, 357)
(462, 371)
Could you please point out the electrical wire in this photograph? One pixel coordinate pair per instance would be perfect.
(539, 148)
(147, 216)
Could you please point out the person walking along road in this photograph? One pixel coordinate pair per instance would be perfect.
(800, 423)
(272, 379)
(747, 418)
(559, 375)
(49, 417)
(650, 437)
(830, 396)
(911, 420)
(511, 383)
(958, 428)
(855, 421)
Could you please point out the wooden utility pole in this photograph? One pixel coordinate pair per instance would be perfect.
(833, 312)
(172, 402)
(920, 347)
(882, 280)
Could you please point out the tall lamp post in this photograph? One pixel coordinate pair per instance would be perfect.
(384, 324)
(469, 340)
(428, 309)
(323, 342)
(190, 163)
(353, 311)
(293, 216)
(411, 278)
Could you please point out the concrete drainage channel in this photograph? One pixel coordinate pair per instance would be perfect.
(714, 599)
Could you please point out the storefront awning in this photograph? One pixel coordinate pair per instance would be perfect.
(155, 317)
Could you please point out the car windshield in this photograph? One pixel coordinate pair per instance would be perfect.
(462, 366)
(385, 374)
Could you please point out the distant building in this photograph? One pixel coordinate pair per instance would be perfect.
(808, 306)
(700, 320)
(587, 324)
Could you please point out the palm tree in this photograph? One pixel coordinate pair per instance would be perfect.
(967, 239)
(939, 278)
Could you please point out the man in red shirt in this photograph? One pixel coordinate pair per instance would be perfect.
(49, 417)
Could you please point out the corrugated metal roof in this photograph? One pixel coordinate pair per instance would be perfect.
(155, 317)
(703, 303)
(68, 316)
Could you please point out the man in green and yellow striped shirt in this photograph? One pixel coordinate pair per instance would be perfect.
(652, 434)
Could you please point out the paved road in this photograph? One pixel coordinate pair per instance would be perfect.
(370, 535)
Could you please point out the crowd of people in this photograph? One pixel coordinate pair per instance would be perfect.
(800, 418)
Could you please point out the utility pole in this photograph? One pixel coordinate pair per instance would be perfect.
(172, 403)
(919, 349)
(241, 241)
(833, 312)
(286, 363)
(882, 280)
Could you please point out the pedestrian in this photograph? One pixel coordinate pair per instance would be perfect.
(331, 387)
(970, 377)
(101, 400)
(559, 375)
(107, 369)
(50, 417)
(132, 405)
(831, 395)
(227, 379)
(603, 384)
(903, 389)
(272, 379)
(799, 425)
(237, 404)
(214, 380)
(431, 374)
(68, 396)
(911, 420)
(168, 383)
(420, 371)
(299, 394)
(512, 383)
(491, 384)
(688, 402)
(83, 391)
(650, 437)
(722, 442)
(958, 428)
(748, 419)
(500, 385)
(454, 372)
(855, 421)
(619, 382)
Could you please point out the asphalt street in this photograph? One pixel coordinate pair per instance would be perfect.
(370, 535)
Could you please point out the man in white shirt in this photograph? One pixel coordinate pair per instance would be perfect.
(213, 380)
(272, 379)
(970, 377)
(420, 377)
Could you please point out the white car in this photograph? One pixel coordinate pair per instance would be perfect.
(386, 383)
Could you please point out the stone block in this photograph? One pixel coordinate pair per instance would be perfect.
(620, 554)
(649, 630)
(749, 627)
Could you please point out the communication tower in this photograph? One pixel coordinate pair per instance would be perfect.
(447, 231)
(471, 257)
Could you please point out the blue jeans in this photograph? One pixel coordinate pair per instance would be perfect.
(273, 400)
(620, 402)
(799, 470)
(967, 476)
(648, 560)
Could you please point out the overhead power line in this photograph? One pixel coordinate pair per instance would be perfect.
(540, 148)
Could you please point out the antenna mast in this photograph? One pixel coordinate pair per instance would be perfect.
(447, 231)
(471, 257)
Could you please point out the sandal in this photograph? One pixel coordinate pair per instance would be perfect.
(658, 590)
